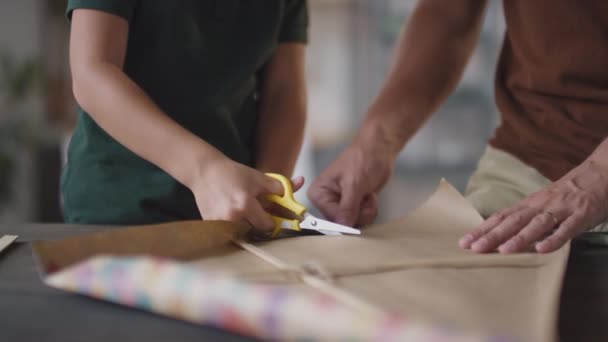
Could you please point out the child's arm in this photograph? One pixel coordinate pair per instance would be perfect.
(223, 189)
(282, 110)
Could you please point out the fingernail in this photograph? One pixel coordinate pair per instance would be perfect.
(539, 246)
(480, 244)
(507, 246)
(465, 241)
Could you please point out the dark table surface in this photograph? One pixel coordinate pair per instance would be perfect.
(29, 310)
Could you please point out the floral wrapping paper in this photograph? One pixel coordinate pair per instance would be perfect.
(268, 312)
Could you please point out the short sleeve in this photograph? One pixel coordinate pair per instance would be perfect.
(294, 27)
(121, 8)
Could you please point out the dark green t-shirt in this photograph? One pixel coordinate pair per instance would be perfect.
(198, 61)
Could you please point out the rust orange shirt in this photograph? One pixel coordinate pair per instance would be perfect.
(552, 82)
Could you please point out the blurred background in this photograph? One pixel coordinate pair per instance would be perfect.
(351, 45)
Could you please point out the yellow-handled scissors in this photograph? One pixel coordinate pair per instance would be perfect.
(308, 221)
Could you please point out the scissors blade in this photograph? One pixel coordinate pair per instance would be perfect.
(326, 227)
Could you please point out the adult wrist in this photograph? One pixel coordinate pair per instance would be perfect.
(375, 138)
(197, 163)
(600, 155)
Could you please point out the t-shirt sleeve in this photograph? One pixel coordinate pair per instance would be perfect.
(121, 8)
(294, 27)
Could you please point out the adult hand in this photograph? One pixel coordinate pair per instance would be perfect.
(549, 218)
(229, 191)
(346, 192)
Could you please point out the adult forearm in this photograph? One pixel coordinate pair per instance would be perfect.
(600, 155)
(127, 114)
(280, 133)
(432, 52)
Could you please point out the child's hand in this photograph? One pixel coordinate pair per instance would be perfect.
(231, 191)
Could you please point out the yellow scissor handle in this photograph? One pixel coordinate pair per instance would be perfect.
(283, 223)
(286, 201)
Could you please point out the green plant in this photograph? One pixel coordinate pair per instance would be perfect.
(18, 79)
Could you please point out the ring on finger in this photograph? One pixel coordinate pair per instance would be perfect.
(553, 216)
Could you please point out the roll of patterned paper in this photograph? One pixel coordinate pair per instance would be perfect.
(262, 311)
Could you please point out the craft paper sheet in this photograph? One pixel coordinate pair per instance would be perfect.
(411, 268)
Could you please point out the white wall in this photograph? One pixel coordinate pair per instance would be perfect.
(20, 26)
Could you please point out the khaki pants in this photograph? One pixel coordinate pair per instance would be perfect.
(501, 180)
